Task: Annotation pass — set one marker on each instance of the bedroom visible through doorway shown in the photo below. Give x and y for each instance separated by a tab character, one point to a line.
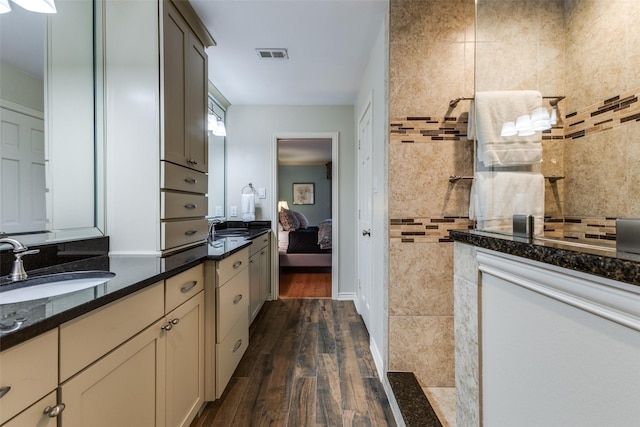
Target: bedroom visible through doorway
305	223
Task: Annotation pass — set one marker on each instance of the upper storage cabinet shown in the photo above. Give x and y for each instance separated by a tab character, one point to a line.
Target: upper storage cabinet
185	86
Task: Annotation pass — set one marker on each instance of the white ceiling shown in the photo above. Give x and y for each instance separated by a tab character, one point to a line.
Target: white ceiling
304	151
328	42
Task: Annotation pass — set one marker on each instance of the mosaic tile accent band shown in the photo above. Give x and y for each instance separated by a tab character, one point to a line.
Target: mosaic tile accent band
608	114
427	229
409	130
586	230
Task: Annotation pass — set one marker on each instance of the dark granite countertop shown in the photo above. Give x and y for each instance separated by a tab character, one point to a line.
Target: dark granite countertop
132	273
600	261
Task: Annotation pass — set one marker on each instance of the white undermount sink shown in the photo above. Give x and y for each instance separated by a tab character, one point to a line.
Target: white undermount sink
51	285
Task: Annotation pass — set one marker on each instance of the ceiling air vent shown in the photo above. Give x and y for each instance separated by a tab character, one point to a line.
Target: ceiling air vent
272	53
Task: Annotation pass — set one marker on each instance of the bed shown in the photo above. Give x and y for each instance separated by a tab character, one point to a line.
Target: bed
302	245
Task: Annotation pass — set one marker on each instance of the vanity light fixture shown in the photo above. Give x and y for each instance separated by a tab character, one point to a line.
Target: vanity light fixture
40	6
5	7
216	125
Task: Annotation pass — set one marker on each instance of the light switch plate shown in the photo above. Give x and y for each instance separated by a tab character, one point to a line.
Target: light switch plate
218	211
233	211
262	193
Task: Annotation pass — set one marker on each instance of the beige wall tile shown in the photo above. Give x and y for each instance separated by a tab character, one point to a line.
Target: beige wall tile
424	77
420	279
423	345
596	180
419	179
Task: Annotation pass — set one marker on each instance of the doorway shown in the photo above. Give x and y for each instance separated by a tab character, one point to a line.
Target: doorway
305	180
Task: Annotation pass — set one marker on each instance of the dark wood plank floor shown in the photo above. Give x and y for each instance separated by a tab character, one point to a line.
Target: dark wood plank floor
308	364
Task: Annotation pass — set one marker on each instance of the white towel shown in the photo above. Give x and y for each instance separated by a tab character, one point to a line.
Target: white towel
497	196
248	207
489	111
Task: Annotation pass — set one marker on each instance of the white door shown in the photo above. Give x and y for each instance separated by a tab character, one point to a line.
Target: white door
365	194
22	173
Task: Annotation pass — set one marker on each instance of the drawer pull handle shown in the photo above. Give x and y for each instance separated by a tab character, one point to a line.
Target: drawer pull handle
237	299
191	181
188	287
4	390
190	206
190	232
237	346
174	321
192	162
55	410
237	264
262	253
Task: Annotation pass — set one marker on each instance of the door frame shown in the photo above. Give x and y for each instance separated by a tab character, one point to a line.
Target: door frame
335	208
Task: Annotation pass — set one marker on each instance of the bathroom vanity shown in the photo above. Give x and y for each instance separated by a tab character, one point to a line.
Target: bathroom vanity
146	347
546	332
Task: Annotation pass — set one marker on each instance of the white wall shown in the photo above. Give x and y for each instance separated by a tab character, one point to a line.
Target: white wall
250	130
374	86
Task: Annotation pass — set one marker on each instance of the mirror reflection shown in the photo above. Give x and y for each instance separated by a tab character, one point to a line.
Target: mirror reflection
47	121
216	196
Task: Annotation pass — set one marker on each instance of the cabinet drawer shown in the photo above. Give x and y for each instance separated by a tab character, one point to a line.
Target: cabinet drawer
229	352
181	205
232	265
179	233
89	337
232	303
35	416
259	243
30	370
183	286
174	177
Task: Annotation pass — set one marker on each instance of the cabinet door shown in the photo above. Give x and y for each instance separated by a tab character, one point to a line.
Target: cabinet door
28	371
196	105
254	286
125	388
185	362
185	93
175	42
265	273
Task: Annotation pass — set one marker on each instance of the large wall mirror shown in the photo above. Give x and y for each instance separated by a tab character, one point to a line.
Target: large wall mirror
50	122
216	196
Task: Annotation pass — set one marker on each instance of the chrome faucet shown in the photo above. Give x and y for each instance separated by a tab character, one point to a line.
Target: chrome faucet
212	226
19	250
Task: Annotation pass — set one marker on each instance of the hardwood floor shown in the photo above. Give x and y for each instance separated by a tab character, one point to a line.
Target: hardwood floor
308	364
295	283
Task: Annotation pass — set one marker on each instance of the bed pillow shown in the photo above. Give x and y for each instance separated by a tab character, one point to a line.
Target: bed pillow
288	220
304	222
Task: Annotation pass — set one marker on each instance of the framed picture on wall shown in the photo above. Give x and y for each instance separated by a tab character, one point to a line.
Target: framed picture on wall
304	193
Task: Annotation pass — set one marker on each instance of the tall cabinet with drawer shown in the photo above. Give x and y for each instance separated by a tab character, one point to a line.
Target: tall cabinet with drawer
227	305
161	132
184	153
260	273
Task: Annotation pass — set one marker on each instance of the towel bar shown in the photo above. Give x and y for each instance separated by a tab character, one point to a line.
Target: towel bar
551	178
554	100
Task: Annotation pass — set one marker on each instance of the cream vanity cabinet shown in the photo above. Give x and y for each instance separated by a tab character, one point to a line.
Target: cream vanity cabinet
139	360
28	380
260	273
227	293
184	153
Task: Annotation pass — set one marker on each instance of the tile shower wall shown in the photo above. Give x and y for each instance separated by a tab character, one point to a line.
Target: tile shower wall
431	62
